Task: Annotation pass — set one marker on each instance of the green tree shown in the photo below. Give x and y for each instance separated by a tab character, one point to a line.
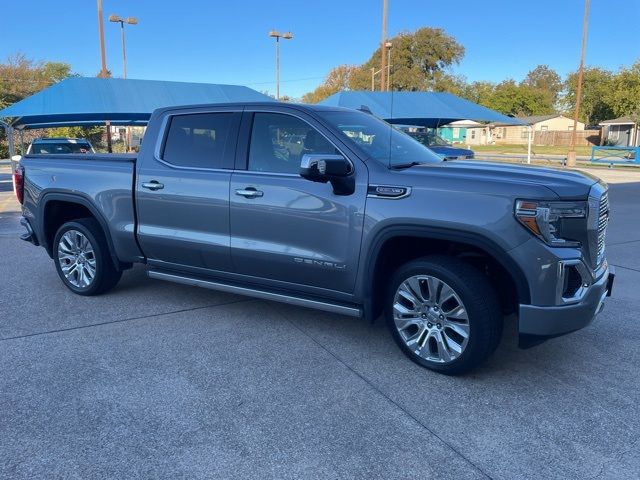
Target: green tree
546	85
21	77
339	78
479	92
419	61
445	82
625	92
597	101
419	58
93	134
511	98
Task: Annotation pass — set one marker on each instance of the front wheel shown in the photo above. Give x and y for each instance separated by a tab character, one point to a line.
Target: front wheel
443	313
82	258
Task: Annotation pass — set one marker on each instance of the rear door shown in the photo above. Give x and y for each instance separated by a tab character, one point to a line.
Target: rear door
183	191
285	228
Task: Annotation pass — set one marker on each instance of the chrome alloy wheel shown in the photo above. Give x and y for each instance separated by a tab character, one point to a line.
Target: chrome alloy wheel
77	259
431	319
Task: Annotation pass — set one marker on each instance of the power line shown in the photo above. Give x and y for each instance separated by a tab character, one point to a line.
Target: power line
36	81
286	81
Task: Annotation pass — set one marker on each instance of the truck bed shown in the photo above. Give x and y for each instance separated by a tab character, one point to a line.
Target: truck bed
107	182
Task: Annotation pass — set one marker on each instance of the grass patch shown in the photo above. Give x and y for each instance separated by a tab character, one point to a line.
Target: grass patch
535	149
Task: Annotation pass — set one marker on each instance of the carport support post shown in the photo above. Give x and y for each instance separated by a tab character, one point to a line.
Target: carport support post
12	147
529	128
8	130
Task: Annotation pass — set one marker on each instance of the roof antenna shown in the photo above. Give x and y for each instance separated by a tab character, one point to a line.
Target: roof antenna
365	109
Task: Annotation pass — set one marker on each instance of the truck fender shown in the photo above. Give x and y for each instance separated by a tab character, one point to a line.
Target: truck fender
79	199
437	233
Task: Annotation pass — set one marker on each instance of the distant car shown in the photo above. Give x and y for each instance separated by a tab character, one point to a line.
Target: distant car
441	147
59	146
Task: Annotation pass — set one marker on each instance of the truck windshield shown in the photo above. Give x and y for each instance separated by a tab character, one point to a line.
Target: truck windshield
429	139
379	140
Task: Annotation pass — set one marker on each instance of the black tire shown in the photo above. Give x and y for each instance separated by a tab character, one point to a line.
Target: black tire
483	311
106	275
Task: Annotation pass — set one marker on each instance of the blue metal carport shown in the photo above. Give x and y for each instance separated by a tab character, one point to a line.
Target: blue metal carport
93	101
427	109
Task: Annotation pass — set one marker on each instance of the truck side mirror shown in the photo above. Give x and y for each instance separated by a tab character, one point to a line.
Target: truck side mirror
325	167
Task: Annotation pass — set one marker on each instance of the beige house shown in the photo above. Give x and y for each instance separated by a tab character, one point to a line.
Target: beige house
518	134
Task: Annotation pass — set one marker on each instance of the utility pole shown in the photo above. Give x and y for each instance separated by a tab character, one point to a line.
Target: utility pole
103	56
383	56
571	156
103	69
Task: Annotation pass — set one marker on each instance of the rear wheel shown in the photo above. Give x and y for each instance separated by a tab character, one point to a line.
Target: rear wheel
443	314
82	258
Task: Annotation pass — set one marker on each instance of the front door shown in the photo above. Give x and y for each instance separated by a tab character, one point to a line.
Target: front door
286	228
183	192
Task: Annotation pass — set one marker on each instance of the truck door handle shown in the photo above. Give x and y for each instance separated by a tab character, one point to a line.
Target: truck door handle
249	192
153	185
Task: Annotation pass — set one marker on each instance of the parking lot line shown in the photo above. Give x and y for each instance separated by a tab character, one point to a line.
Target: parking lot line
121	320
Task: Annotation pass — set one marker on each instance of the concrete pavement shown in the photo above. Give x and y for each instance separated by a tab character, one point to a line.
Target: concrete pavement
162	380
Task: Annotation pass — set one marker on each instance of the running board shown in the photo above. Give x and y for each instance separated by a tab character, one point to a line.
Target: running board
262	294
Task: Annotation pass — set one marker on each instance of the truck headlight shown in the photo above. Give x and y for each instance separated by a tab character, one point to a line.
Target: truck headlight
547	220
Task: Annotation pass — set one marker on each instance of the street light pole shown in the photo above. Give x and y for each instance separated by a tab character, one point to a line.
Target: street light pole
388	46
277	35
122	21
124	52
571	156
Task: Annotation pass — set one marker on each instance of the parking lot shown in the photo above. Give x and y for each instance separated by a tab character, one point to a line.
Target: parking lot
159	380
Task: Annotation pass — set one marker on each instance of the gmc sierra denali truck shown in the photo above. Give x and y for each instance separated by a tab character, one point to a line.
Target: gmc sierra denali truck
331	209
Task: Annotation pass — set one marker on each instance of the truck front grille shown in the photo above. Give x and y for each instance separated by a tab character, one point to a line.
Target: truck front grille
603	220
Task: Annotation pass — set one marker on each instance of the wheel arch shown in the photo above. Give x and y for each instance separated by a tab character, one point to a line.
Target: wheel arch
79	204
439	238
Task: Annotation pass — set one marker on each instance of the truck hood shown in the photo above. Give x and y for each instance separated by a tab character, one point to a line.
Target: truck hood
564	183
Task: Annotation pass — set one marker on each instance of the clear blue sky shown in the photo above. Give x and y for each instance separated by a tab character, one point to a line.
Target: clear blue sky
219	41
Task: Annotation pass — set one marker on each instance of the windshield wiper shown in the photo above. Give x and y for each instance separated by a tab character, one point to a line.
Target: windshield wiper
402	166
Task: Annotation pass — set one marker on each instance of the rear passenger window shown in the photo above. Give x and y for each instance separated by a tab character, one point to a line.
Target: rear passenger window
197	140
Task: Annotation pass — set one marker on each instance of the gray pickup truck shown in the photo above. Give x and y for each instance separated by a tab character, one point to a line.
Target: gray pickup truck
331	209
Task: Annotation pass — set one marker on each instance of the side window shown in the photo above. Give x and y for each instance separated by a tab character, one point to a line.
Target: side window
279	141
197	140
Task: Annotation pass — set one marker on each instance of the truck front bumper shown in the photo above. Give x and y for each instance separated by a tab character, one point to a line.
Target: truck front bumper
538	323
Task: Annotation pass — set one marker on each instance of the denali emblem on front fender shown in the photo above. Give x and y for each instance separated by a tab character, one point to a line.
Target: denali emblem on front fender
388	191
320	263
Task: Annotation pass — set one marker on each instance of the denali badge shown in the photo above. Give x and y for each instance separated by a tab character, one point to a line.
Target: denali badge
388	191
320	263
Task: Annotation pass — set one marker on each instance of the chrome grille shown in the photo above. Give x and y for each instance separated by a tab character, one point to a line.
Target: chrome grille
603	220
